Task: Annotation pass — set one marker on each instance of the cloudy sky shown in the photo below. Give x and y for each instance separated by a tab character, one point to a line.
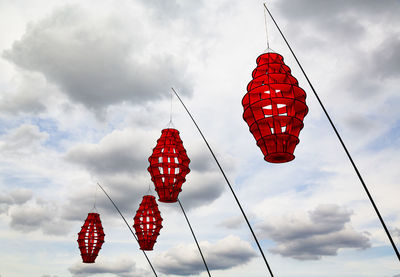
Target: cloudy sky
85	93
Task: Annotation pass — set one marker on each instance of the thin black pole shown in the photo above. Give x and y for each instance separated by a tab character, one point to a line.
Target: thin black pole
340	139
130	229
195	239
227	181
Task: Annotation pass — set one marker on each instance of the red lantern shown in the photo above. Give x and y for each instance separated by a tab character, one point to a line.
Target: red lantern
91	238
169	165
147	222
274	108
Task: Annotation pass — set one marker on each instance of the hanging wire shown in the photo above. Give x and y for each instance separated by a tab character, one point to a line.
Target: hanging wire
227	181
194	236
95	199
130	229
266	29
170	123
340	139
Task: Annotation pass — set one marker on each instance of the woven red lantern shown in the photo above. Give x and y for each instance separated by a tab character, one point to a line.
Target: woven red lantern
274	108
147	222
169	165
91	238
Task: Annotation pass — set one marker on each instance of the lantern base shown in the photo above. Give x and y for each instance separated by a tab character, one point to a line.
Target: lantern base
167	201
279	157
146	248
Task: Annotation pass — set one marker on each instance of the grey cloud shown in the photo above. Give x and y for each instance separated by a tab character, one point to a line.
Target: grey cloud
14	197
126	191
20	196
118	152
184	260
170	11
203	161
396	232
398	275
27	218
27	97
316	246
370	79
5	202
36	215
386	58
201	189
24	138
330	23
97	61
122	268
323	233
232	223
314	10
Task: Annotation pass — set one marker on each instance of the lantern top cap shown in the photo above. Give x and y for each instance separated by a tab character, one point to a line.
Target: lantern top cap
169	130
148	196
93	213
269	56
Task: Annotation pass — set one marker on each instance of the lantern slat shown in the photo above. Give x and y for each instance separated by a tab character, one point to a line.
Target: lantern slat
169	165
274	108
147	222
91	238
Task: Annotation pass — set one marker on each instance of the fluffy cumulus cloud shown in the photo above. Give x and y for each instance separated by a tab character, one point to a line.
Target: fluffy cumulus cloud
24	139
27	213
27	95
97	61
320	234
38	214
185	260
123	151
121	268
16	196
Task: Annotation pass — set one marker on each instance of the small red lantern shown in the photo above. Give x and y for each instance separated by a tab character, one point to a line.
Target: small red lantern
147	222
91	238
169	165
274	108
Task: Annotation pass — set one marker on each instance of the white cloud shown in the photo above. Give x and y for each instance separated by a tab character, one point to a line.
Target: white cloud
25	138
121	267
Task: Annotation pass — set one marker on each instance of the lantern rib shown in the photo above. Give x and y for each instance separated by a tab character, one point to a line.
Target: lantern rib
340	139
229	185
130	229
194	236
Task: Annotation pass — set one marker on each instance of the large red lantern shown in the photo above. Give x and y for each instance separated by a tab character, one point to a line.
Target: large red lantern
147	222
91	238
274	108
169	165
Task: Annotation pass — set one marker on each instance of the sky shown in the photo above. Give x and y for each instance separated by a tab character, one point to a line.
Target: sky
84	95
